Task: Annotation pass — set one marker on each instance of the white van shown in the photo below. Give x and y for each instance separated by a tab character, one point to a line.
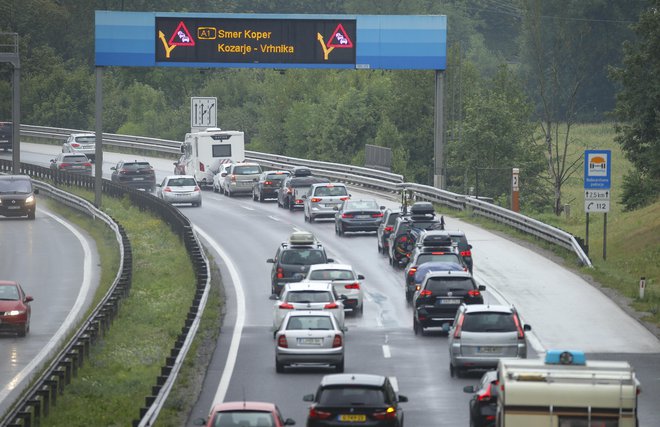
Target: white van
203	152
566	390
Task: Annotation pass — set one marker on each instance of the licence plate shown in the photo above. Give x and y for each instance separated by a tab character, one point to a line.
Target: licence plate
447	301
138	179
13	207
488	350
362	216
77	167
353	417
310	341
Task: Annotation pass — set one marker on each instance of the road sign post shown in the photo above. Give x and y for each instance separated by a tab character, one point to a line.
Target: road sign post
515	190
642	285
203	113
597	183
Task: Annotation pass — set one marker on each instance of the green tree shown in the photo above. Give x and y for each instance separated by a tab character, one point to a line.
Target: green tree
637	110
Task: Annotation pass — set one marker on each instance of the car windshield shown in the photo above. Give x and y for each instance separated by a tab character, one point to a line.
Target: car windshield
302	257
136	166
359	205
309	322
74	159
16	186
243	418
351	396
309	296
8	293
181	182
439	257
489	322
247	170
442	285
331	275
86	139
330	190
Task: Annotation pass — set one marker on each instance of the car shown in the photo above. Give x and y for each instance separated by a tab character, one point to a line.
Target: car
134	173
267	184
355	399
219	178
293	258
321	200
421	216
481	334
81	143
307	296
358	215
240	177
441	294
428	267
309	337
244	413
483	405
289	195
385	228
15	310
345	281
17	196
464	248
180	189
72	163
422	255
6	135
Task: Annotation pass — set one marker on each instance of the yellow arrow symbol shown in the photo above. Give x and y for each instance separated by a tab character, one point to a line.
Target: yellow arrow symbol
326	50
167	47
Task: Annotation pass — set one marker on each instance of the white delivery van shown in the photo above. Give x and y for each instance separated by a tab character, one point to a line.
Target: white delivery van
566	390
203	152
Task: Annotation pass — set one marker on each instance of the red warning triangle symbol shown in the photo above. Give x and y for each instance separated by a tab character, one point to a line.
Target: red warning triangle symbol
181	36
339	38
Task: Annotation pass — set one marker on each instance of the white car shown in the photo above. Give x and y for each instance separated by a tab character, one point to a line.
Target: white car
219	180
180	189
307	296
81	143
344	280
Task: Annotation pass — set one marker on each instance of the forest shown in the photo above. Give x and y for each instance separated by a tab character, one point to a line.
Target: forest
520	74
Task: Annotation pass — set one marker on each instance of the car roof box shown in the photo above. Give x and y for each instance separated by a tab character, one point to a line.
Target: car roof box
301	238
422	208
436	239
301	171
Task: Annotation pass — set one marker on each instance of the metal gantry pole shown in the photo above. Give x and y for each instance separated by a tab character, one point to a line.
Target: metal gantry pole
9	53
98	153
439	132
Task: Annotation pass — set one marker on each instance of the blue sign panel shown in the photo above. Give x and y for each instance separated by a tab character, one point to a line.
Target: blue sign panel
597	169
206	40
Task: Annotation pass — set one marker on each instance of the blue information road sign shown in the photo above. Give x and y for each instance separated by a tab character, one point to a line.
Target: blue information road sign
597	169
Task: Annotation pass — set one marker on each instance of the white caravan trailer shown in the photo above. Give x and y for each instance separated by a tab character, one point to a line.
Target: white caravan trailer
566	390
203	152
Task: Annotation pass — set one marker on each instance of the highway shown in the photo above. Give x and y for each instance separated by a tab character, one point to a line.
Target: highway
564	310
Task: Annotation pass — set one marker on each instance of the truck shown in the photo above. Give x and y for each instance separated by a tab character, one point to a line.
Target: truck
566	390
203	152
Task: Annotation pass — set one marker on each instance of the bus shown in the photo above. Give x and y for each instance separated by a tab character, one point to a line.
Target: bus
203	152
566	390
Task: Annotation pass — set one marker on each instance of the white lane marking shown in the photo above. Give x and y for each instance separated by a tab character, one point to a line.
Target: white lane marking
274	218
395	383
240	319
247	207
386	351
73	315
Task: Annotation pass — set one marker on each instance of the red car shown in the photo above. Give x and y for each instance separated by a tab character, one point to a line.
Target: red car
251	414
15	308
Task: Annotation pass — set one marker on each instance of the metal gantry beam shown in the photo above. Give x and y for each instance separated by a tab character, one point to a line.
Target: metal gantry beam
9	54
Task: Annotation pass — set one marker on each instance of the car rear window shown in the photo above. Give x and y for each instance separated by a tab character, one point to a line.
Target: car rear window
330	190
302	257
182	182
361	205
243	418
489	322
309	296
461	241
426	224
306	181
137	166
331	275
74	159
86	139
392	217
276	176
442	285
351	396
247	170
320	323
431	257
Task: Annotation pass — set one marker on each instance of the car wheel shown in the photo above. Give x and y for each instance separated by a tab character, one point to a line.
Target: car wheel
339	367
360	311
24	330
305	218
279	367
416	326
452	371
292	205
32	215
254	196
260	198
341	230
408	296
336	229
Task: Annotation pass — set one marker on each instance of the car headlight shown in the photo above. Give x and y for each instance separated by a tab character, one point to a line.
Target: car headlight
29	200
15	312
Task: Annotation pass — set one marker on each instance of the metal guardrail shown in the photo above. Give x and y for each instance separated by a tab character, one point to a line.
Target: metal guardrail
35	402
365	177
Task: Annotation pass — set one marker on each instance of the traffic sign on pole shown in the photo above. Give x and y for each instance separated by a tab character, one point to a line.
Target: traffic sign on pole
597	169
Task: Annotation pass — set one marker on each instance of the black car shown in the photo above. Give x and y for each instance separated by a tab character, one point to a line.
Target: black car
385	229
355	400
6	133
293	258
17	196
441	294
289	195
267	185
423	255
358	215
422	216
464	248
483	405
136	174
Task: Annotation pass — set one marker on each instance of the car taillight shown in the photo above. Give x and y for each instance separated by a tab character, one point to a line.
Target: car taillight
377	215
521	332
466	253
315	199
233	178
197	188
167	190
459	326
299	201
337	341
403	239
438	253
417	287
352	286
286	306
425	293
344	198
289	191
486	395
88	165
202	168
412	271
318	415
474	293
280	273
346	215
388	229
268	182
75	145
64	165
331	305
388	414
282	342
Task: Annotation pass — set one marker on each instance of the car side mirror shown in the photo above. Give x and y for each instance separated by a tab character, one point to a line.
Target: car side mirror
527	328
223	174
468	389
469	246
329	260
270	260
35	191
199	422
273	297
482	287
343	297
114	168
52	160
297	277
308	398
360	277
175	163
28	298
403	398
289	422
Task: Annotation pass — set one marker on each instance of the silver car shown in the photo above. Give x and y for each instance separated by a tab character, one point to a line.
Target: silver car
307	296
240	178
345	281
484	333
180	189
322	199
309	337
81	143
